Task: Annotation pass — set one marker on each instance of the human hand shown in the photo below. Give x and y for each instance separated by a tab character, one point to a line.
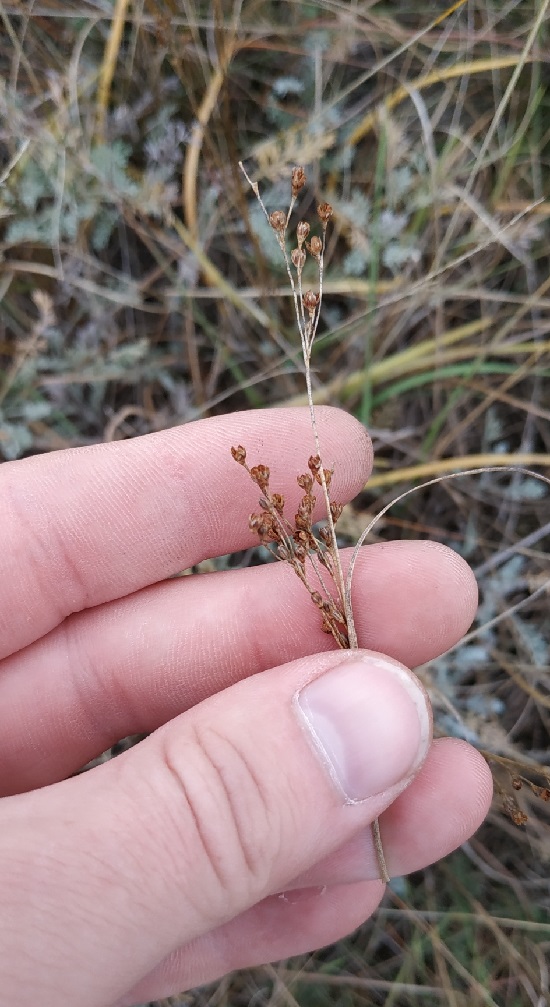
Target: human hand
164	868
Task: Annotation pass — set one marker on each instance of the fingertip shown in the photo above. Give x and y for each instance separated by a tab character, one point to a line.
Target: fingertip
424	585
354	440
474	770
443	807
458	572
345	445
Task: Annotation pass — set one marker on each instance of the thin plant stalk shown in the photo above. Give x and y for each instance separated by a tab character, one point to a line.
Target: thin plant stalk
307	307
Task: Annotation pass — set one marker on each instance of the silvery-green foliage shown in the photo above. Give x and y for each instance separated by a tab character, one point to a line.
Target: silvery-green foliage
104	221
356	262
15	417
527	489
283	86
53	191
15	439
385	233
111	163
356	210
166	137
396	255
534	642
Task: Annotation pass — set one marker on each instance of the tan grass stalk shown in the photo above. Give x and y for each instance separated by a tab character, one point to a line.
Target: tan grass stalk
109	63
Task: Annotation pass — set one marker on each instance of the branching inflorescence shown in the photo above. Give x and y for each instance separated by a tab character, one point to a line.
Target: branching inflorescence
313	555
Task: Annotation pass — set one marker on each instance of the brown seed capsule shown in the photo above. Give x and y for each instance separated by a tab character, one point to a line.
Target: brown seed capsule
254	522
317	599
239	454
516	783
302	231
310	300
315	247
324	212
298	179
300	553
324	535
519	818
298	257
302	521
314	463
510	807
260	475
277	219
305	482
336	510
278	501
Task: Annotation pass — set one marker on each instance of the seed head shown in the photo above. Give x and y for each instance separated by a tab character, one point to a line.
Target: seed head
510	807
260	475
298	257
298	180
324	212
239	454
302	521
302	231
328	478
278	501
277	219
300	553
314	463
305	482
336	510
326	559
254	522
315	246
519	817
310	300
324	535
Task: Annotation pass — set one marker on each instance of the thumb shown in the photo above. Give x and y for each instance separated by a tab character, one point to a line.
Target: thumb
105	874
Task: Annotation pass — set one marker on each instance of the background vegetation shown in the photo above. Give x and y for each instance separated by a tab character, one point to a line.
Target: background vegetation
139	288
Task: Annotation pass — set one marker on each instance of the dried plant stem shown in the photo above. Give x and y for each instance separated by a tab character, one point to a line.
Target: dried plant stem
109	63
377	838
341	584
432	482
307	328
307	308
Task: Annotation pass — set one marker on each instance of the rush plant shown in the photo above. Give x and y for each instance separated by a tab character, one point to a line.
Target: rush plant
312	551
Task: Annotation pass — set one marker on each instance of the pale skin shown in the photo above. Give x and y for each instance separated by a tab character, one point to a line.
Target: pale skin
165	867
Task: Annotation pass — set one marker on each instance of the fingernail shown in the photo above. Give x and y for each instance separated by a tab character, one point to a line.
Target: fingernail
370	724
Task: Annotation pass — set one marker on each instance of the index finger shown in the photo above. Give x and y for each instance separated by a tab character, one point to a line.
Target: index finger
85	526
